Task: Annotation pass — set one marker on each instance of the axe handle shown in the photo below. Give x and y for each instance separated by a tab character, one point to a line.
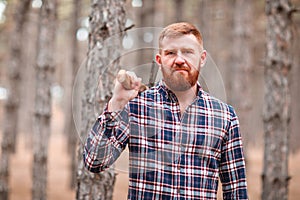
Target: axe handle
126	81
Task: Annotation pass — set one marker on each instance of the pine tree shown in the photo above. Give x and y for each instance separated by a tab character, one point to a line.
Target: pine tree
277	99
45	66
107	19
12	103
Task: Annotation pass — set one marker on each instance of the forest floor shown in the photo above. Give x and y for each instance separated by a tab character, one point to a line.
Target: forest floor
59	173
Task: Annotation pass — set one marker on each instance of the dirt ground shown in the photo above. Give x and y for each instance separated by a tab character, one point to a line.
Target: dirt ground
58	170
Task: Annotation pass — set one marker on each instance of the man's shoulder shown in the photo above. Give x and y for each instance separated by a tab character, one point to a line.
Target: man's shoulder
148	95
216	103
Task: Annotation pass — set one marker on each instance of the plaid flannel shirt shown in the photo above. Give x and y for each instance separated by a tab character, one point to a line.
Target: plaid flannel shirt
172	155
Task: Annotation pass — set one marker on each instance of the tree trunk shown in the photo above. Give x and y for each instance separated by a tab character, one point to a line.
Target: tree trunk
159	14
179	8
295	90
12	103
242	64
277	99
42	115
107	19
70	129
144	18
216	26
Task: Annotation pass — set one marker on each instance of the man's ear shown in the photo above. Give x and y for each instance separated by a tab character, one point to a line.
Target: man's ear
203	58
158	59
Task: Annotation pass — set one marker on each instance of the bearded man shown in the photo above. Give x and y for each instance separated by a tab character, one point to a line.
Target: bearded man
181	140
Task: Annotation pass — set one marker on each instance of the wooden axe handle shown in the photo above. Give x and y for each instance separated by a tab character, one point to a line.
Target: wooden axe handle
126	80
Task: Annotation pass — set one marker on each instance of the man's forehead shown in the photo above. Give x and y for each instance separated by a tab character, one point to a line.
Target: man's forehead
178	44
184	41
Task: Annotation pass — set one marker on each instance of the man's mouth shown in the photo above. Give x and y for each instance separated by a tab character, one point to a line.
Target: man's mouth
181	70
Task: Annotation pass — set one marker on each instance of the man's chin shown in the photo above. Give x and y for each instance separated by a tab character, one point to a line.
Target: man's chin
181	75
179	85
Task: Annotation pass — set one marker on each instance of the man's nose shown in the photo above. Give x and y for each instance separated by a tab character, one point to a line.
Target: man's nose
179	60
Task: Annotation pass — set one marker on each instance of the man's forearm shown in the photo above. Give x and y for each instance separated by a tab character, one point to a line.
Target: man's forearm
102	147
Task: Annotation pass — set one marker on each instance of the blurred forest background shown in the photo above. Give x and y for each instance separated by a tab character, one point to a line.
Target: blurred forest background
234	35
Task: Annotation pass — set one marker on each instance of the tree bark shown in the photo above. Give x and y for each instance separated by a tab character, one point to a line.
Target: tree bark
144	18
42	115
179	8
159	14
216	21
107	19
70	128
12	103
277	99
242	63
295	90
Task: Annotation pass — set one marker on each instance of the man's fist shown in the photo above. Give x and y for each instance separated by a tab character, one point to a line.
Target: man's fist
127	80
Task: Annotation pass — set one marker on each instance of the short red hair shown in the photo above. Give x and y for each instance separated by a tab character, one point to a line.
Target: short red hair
179	29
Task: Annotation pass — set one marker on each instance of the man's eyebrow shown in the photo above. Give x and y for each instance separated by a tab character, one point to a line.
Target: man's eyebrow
171	49
190	49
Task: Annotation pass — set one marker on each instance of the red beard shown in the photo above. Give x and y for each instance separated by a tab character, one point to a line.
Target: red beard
180	78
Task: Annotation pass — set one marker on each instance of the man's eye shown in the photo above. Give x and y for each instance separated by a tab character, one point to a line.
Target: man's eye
170	53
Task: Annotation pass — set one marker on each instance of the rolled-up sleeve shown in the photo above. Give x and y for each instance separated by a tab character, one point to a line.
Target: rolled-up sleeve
106	140
232	166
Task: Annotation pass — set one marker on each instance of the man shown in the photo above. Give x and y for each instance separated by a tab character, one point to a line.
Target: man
181	140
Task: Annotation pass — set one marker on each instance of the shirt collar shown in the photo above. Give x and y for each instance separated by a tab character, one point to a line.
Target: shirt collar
168	94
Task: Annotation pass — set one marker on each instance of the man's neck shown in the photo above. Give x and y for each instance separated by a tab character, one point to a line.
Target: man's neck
186	97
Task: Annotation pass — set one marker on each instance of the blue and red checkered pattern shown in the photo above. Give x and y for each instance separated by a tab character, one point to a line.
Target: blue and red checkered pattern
172	155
